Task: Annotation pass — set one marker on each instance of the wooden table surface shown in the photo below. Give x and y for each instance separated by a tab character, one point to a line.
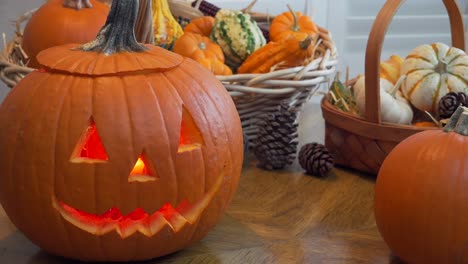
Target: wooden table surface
275	217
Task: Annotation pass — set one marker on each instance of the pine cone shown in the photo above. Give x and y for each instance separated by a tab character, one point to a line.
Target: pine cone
316	159
450	102
276	142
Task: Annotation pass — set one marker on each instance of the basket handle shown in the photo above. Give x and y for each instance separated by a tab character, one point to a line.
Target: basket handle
374	50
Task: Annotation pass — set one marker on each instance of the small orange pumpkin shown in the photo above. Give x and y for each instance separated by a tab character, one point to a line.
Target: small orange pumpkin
202	25
204	51
59	22
292	25
421	198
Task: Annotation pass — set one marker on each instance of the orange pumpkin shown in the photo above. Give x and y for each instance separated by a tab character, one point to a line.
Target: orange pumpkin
425	124
204	51
421	198
60	22
115	151
292	25
202	25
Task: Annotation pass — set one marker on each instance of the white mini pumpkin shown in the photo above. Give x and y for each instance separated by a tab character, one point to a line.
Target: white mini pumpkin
393	108
431	72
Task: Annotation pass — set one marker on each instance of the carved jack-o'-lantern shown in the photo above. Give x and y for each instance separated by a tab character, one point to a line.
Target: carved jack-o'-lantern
115	151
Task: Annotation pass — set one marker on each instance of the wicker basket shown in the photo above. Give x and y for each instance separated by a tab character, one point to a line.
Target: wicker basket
363	144
258	94
253	94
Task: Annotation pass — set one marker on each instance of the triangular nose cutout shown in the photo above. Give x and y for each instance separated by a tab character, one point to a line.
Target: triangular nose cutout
89	148
142	172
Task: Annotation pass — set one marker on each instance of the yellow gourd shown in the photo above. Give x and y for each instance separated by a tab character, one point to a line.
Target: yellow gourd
166	28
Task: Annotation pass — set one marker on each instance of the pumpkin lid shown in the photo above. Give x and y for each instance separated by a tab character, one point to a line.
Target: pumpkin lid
115	49
68	58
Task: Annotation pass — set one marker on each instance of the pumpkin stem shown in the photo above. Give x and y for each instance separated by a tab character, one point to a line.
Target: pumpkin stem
441	68
305	43
397	86
202	45
118	34
295	25
458	123
77	4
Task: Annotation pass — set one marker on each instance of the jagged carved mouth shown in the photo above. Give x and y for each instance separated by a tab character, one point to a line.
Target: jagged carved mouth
138	220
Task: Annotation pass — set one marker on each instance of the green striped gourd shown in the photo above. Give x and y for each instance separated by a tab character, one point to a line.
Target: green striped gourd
237	34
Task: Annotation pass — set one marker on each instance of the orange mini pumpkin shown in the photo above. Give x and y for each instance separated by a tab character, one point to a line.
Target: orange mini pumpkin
204	51
202	25
60	22
425	124
292	25
291	52
421	198
115	151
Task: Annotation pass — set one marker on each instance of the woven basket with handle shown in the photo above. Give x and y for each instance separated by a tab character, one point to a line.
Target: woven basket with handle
363	143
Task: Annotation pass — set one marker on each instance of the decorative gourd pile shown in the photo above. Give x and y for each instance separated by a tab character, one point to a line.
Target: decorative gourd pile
243	45
416	84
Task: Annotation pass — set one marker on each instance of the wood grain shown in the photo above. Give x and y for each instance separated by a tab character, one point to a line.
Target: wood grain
276	217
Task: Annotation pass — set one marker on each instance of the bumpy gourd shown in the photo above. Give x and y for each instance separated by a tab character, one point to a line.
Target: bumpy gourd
237	34
431	72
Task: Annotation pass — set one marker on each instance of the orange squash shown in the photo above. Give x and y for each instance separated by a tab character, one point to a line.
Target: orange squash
59	22
292	25
202	25
115	151
390	69
421	199
204	51
425	124
292	52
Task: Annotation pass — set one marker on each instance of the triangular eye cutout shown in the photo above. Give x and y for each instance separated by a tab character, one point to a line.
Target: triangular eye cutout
190	136
142	172
89	148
